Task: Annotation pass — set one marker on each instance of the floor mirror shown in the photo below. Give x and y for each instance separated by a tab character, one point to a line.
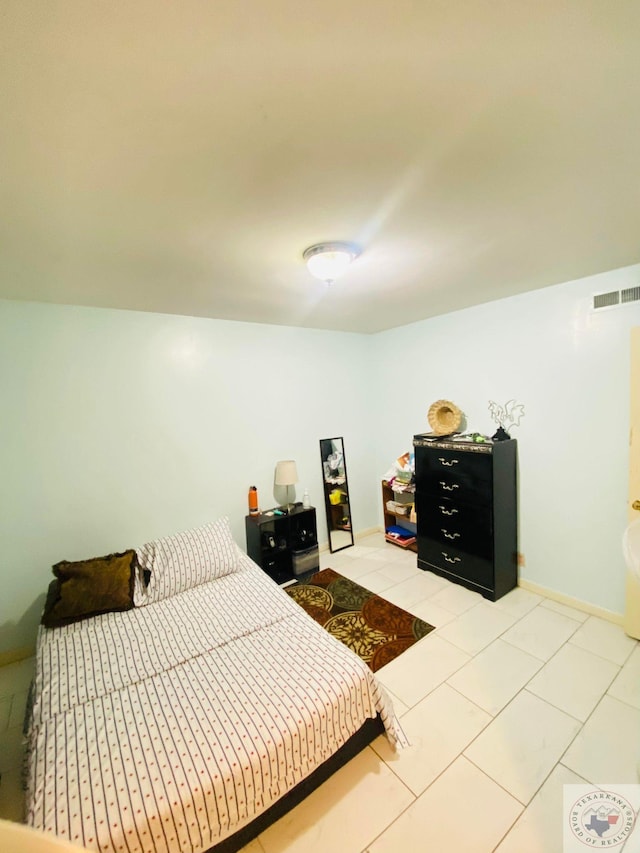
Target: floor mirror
336	493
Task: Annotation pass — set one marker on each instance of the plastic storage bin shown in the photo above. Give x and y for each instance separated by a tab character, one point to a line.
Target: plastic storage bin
305	560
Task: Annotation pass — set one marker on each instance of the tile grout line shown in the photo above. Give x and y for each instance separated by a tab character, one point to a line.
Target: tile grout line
542	784
578	733
543	663
475	704
456	757
399	815
494	717
599	655
433	781
511	794
415	705
617	699
460	754
602	695
498	636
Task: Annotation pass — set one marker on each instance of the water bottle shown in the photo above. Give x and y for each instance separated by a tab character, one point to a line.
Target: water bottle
306	503
253	501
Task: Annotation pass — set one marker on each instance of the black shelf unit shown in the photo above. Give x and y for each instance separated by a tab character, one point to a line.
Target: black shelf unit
467	515
282	545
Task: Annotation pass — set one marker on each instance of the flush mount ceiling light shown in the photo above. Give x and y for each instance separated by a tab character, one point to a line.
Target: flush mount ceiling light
327	261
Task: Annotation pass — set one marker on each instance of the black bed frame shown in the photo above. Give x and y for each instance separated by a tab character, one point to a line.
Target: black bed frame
356	743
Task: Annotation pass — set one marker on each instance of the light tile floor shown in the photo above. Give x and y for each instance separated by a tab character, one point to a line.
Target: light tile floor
504	703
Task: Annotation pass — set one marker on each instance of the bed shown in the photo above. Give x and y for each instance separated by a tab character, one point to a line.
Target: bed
179	723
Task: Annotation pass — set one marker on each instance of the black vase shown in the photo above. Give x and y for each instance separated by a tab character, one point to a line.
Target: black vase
500	435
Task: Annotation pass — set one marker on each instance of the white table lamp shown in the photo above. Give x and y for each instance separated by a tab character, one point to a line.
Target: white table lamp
286	475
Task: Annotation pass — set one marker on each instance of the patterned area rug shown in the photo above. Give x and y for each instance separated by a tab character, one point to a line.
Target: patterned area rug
375	629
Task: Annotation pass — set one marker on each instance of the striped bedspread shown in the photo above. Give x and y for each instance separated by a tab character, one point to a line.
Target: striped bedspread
169	727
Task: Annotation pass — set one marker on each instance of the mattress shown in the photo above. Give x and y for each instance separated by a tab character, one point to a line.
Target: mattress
171	726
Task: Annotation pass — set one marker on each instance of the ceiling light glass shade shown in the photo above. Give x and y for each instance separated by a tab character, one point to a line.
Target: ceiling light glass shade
327	261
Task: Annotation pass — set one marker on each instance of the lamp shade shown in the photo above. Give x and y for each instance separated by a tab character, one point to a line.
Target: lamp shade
286	473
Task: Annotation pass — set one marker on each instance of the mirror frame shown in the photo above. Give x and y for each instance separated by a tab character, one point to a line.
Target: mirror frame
327	487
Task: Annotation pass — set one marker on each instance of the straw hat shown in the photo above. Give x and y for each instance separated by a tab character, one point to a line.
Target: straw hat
444	417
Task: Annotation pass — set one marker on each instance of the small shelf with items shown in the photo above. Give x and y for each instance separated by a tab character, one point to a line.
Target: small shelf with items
399	516
285	546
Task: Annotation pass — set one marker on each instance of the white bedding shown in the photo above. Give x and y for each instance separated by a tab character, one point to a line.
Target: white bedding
169	727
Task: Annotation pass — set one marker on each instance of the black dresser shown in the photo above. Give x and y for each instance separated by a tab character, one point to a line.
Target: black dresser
467	515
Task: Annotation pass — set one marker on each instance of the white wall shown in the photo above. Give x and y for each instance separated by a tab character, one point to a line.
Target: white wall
570	369
120	426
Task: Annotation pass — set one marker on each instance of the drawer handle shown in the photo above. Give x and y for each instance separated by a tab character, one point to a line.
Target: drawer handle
449	488
449	535
449	559
444	462
446	511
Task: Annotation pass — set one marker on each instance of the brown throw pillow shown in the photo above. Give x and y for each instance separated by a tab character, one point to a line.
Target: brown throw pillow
90	587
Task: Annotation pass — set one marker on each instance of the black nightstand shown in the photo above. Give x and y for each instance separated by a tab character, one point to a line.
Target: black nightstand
284	546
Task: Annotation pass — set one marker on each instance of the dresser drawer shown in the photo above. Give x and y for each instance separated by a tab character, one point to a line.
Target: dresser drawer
455	563
454	474
467	527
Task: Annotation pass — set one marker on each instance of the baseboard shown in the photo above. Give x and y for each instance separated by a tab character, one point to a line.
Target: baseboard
368	532
324	546
560	597
15	655
569	601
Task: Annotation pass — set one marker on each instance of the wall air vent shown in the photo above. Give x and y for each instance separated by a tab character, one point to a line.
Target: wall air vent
615	298
631	294
606	300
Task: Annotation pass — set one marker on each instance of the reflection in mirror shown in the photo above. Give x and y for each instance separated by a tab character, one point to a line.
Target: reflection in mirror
336	493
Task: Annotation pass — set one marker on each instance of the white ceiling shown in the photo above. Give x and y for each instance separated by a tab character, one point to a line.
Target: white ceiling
179	156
